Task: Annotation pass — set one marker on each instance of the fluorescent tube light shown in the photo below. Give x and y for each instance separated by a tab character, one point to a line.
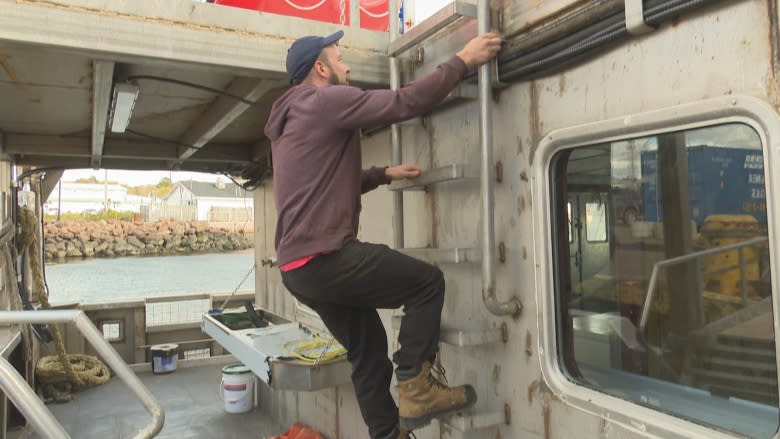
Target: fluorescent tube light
122	106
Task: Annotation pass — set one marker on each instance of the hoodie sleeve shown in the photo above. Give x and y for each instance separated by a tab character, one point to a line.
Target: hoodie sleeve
352	108
371	178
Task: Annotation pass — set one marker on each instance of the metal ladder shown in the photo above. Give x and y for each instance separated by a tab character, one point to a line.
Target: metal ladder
452	172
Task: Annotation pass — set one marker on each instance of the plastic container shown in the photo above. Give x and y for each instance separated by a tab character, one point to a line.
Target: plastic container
237	388
164	358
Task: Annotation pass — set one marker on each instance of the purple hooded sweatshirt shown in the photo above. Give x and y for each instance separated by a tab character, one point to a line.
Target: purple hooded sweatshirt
315	141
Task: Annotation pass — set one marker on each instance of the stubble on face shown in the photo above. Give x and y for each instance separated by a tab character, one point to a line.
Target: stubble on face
333	78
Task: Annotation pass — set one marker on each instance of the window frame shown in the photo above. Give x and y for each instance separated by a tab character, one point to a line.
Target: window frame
747	110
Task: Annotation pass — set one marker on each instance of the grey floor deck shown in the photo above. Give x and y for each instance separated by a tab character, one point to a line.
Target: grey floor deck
189	396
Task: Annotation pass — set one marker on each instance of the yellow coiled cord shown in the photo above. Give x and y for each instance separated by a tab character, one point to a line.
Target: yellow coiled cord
316	350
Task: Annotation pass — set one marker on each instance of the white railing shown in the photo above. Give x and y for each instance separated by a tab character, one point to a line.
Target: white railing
33	409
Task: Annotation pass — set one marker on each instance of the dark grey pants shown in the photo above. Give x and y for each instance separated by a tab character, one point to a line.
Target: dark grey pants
346	288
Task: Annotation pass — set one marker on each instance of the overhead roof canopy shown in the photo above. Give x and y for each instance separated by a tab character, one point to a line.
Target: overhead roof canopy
59	61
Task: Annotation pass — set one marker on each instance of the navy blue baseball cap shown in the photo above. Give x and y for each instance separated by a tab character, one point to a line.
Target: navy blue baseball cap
303	53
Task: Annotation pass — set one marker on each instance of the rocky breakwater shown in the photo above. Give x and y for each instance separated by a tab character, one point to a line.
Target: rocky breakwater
75	239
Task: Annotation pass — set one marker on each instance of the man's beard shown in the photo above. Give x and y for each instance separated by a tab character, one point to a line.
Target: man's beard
333	79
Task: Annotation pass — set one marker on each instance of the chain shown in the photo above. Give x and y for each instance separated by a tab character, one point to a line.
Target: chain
327	348
342	11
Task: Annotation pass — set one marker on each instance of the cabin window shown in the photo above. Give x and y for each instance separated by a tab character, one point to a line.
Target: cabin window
196	354
112	330
663	289
595	221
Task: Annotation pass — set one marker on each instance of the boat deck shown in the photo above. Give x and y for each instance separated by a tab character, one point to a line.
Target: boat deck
191	400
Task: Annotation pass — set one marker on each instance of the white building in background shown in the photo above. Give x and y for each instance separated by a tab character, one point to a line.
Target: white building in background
92	198
213	201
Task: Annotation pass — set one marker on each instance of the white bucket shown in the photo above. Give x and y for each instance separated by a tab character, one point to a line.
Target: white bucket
237	388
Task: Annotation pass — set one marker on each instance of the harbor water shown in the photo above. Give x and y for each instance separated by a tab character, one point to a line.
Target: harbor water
111	279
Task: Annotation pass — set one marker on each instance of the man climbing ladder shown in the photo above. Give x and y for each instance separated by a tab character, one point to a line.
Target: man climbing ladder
315	133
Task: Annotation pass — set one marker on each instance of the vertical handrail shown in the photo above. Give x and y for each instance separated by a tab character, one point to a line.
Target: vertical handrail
486	179
395	131
397	157
103	348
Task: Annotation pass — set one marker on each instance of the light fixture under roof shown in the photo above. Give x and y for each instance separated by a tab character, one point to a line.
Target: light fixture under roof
122	105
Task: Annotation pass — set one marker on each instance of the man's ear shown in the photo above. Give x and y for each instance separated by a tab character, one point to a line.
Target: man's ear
319	69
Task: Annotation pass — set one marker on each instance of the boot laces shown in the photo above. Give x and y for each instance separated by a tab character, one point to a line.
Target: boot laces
434	381
437	369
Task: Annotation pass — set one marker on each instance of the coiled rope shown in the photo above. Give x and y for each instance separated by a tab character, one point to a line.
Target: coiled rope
79	369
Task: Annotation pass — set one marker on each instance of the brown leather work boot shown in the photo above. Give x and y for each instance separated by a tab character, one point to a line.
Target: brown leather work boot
423	398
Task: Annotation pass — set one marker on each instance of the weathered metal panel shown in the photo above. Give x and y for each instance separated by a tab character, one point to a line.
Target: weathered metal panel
720	51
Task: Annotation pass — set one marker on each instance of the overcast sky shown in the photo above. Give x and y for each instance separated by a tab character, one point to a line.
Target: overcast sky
137	178
425	8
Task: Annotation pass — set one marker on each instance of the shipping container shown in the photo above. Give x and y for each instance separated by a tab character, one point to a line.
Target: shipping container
721	180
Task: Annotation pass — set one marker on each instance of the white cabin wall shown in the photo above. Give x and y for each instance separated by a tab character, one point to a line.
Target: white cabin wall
721	50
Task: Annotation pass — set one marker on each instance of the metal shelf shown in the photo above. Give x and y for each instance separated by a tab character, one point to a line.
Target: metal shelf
262	351
429	177
438	21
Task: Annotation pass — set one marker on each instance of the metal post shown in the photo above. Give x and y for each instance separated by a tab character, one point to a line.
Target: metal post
486	180
354	14
393	17
59	200
28	403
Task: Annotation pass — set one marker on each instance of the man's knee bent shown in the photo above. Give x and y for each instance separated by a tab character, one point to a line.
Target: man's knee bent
435	285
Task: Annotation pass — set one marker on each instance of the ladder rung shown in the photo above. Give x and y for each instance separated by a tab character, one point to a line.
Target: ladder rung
463	92
471	338
427	178
441	255
460	338
464	422
438	21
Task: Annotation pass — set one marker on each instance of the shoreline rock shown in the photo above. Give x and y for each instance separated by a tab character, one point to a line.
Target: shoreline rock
83	239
